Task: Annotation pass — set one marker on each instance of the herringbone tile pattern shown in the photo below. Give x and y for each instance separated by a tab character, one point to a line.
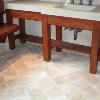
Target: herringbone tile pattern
25	76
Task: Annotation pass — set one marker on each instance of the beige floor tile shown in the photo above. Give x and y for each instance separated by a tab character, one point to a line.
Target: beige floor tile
6	95
32	57
20	64
10	73
15	83
25	73
25	76
59	98
95	98
85	89
37	94
55	92
3	85
67	78
33	64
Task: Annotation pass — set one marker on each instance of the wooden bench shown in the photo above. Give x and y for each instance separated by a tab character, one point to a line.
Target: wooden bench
6	29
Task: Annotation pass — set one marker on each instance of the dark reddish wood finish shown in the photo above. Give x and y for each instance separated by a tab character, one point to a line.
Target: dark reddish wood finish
25	15
1	11
64	45
22	30
58	36
47	39
34	39
71	22
95	48
93	26
11	40
7	29
54	43
1	6
71	46
11	37
22	15
59	21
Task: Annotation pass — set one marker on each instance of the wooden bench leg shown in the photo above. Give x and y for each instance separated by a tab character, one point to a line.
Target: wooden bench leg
22	30
46	39
99	52
94	50
11	41
58	36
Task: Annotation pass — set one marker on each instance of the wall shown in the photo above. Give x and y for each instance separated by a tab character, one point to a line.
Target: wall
33	27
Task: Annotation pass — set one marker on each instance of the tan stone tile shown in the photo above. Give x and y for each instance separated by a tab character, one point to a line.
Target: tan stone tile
15	94
59	98
95	98
25	76
75	95
3	84
24	73
10	73
10	70
29	72
37	94
71	91
15	83
27	57
52	70
33	57
42	80
85	89
20	94
55	93
33	64
23	79
6	95
67	78
10	77
53	73
96	87
20	64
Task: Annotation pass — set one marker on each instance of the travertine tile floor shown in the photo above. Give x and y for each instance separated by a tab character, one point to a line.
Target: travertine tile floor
25	76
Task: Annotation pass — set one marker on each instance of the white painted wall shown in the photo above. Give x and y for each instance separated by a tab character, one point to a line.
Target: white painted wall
34	27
